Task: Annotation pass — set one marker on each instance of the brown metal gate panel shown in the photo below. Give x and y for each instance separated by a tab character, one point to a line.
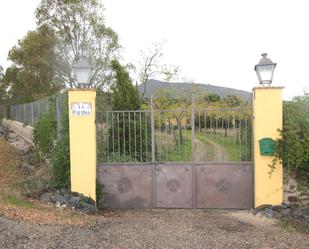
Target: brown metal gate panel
173	186
126	186
224	186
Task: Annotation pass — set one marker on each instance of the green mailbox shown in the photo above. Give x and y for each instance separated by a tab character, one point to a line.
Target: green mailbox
267	146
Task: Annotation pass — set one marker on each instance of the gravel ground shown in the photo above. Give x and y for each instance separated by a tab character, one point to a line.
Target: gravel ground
156	229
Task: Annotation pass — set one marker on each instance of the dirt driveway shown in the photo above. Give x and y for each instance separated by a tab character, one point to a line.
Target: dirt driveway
156	229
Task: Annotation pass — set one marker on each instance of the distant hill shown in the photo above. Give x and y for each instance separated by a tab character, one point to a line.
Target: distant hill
181	90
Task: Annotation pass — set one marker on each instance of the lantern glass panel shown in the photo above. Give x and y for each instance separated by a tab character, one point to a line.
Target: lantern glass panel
82	75
265	73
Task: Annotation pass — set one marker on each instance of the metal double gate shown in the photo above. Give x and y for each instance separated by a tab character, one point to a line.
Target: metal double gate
178	185
139	154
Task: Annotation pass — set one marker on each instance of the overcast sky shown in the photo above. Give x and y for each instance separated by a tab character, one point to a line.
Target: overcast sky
215	42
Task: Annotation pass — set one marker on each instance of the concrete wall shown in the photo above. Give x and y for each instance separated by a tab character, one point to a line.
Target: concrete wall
20	129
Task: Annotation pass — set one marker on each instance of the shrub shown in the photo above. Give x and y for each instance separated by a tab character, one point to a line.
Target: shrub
60	159
293	146
44	132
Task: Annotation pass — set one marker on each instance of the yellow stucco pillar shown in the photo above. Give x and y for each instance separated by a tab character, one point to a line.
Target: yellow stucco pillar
267	113
83	141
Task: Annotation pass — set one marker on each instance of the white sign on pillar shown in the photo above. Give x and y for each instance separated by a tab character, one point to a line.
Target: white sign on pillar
81	109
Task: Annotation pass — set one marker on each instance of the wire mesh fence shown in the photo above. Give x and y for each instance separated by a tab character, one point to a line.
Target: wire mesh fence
29	113
183	135
2	111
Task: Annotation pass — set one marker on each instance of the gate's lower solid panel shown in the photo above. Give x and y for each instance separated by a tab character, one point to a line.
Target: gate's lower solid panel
224	186
126	186
173	186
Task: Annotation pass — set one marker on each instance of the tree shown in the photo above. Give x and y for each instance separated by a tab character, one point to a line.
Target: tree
124	95
212	98
128	132
1	72
80	30
33	74
232	101
150	66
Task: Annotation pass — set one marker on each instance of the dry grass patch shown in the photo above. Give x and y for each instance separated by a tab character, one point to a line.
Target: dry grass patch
13	203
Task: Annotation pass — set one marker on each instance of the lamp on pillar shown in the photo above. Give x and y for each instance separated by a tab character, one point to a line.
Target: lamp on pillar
265	70
83	72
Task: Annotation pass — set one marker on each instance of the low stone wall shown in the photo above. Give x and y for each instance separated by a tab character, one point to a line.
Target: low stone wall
294	193
20	129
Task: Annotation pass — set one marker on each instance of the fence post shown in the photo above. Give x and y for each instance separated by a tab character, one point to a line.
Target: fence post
153	154
194	187
267	119
58	116
193	130
25	115
82	115
32	119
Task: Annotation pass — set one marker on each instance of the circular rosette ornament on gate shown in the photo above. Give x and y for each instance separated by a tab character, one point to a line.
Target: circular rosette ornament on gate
173	185
223	186
124	185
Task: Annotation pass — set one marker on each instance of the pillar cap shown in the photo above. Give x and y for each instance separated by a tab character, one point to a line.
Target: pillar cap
268	87
82	89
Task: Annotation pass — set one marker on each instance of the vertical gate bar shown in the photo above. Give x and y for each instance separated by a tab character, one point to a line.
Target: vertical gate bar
153	159
135	137
185	136
99	137
152	133
179	138
124	136
173	138
240	152
210	123
146	141
246	141
199	121
107	135
140	137
252	138
205	126
129	120
113	134
222	132
118	126
216	134
228	128
165	136
193	131
193	168
160	140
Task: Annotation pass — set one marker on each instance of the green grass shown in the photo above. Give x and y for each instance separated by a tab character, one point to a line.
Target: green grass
177	153
229	144
210	153
295	226
18	202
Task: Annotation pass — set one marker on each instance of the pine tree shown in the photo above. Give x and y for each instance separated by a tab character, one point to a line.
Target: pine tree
125	95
